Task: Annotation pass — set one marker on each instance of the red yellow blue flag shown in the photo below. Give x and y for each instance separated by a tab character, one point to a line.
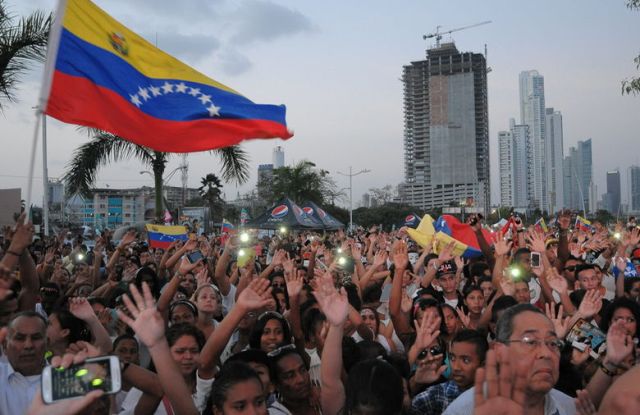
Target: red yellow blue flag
102	75
161	236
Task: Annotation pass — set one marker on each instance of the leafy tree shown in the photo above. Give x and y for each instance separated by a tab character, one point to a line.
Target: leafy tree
211	192
301	182
383	195
632	85
20	43
105	148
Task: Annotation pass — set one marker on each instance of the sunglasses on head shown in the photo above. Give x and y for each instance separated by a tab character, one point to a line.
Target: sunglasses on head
434	351
277	352
572	268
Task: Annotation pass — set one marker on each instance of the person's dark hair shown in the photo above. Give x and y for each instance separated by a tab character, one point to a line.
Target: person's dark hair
400	363
350	353
250	356
428	258
275	298
353	296
628	283
373	387
232	373
125	336
279	355
310	321
474	337
469	288
621	302
376	316
185	303
501	303
504	327
370	349
175	332
372	293
258	329
484	278
583	267
477	269
521	251
78	329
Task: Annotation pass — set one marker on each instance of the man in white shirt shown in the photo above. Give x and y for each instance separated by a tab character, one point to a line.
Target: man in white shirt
533	348
20	374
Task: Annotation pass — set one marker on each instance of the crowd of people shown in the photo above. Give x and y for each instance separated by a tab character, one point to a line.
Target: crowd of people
369	322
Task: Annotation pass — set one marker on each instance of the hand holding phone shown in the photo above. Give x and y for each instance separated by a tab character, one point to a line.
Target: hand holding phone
195	256
535	260
75	381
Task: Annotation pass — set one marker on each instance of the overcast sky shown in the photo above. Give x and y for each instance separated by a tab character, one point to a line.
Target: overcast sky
336	65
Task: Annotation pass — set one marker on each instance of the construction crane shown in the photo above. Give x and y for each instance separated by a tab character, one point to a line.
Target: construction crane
438	35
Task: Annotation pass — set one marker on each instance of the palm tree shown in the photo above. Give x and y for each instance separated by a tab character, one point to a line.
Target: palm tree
301	182
20	43
211	192
105	148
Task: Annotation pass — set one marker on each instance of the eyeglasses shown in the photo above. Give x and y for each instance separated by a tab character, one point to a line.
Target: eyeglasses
531	343
434	351
572	268
277	352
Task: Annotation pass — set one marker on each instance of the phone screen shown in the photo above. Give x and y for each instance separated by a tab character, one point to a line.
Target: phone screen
195	256
535	259
78	380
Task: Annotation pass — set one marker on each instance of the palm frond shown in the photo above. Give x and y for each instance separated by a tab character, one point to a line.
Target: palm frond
235	164
103	149
19	44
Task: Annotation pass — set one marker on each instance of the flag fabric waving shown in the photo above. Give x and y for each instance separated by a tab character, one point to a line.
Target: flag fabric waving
583	224
541	226
161	236
100	74
227	227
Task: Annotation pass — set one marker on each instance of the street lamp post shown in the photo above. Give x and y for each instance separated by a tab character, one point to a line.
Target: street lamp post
350	175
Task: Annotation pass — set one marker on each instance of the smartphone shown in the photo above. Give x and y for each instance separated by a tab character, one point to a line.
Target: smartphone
76	381
535	260
195	256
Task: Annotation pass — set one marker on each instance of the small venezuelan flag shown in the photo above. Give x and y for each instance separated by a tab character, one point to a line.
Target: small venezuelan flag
541	226
100	74
583	224
161	236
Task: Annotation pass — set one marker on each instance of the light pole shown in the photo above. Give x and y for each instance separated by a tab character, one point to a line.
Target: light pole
350	175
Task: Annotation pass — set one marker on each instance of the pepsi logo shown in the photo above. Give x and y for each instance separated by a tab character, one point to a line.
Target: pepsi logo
308	210
410	219
280	211
322	213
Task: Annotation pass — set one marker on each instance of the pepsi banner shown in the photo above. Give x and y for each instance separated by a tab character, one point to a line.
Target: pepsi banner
285	213
316	212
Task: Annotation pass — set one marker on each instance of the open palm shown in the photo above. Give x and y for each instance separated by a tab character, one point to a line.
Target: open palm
147	321
333	303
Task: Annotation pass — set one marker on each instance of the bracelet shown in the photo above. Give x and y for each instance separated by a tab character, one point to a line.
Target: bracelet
14	253
606	371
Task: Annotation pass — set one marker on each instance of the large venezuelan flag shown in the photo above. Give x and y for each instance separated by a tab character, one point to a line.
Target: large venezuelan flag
100	74
161	236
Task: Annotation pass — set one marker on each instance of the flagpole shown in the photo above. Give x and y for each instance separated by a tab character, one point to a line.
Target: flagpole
45	177
32	165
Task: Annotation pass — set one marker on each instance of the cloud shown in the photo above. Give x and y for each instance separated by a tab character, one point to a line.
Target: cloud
259	20
233	62
184	46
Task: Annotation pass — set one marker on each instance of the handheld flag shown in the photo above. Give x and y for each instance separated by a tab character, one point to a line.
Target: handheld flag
227	227
541	226
161	236
100	74
583	224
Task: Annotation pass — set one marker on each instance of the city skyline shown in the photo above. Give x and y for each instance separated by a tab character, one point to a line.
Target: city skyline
344	115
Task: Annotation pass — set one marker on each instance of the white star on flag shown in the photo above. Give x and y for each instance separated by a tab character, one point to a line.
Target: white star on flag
167	87
143	93
136	100
205	98
194	92
155	91
181	87
213	110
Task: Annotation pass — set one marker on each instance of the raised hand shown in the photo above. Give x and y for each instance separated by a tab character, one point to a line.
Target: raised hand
293	281
556	281
619	346
578	358
5	282
255	296
279	257
81	308
84	347
537	242
190	245
401	256
502	247
429	370
49	256
427	330
591	304
459	261
22	234
465	318
202	277
147	322
446	254
333	303
186	266
564	220
406	304
560	325
380	258
356	252
127	238
504	397
584	404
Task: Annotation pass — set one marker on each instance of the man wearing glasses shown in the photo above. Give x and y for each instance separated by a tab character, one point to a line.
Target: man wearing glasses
533	349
